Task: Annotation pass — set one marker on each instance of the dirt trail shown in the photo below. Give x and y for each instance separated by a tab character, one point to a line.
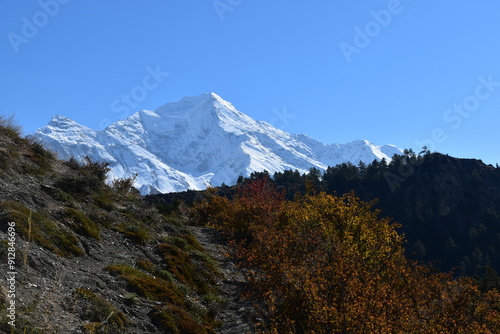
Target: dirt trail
237	316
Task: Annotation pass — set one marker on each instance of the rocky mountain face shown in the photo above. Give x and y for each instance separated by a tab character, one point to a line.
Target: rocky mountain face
196	142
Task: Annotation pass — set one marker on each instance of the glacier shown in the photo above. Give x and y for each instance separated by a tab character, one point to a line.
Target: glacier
197	142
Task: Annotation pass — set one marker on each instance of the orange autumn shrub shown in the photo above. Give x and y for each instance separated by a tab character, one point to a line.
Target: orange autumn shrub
327	264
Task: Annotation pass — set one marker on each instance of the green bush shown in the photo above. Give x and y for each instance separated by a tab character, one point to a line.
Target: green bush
180	264
172	319
58	195
104	201
82	224
98	310
73	164
134	231
79	186
177	242
41	151
89	179
124	186
147	286
98	169
146	265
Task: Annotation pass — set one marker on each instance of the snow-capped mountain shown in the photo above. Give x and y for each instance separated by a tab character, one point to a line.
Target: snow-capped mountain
195	142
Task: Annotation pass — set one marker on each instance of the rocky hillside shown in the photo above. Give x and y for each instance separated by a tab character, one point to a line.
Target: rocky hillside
95	258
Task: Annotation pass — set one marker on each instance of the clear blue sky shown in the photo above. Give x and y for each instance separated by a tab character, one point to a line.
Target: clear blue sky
304	66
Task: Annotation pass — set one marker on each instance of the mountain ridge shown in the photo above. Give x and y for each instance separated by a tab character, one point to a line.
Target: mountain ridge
195	142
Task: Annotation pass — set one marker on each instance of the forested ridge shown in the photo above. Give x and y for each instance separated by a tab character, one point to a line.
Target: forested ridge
448	208
320	263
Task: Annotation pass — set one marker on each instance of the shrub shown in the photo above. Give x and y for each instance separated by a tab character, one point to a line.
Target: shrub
73	164
125	186
9	127
89	180
147	286
58	195
137	233
146	265
79	186
41	151
82	224
98	169
172	319
177	241
99	311
42	159
192	242
104	201
180	264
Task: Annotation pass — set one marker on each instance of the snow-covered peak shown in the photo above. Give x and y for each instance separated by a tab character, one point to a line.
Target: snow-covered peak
62	121
187	104
197	141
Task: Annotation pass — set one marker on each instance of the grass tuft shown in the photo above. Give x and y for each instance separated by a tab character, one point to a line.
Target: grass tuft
102	314
172	319
82	224
147	286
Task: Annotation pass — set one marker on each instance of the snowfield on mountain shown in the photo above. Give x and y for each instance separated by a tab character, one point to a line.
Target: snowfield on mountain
197	142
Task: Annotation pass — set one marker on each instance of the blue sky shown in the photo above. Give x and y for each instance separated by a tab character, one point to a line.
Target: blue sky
393	72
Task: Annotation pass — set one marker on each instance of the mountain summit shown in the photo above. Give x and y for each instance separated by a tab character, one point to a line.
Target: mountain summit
195	142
